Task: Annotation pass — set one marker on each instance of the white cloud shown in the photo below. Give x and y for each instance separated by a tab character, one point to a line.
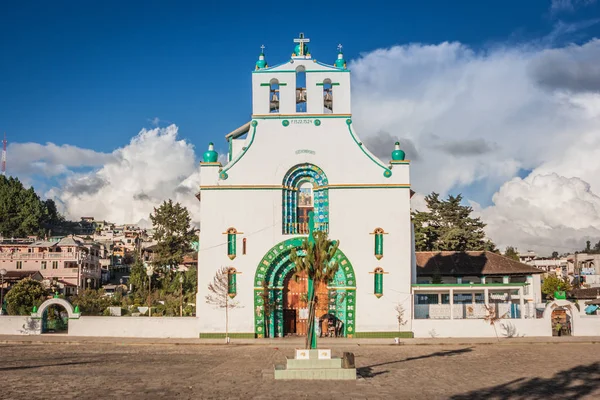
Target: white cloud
153	167
479	117
50	159
568	5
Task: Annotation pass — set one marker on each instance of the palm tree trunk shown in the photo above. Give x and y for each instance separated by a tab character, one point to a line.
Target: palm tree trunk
311	317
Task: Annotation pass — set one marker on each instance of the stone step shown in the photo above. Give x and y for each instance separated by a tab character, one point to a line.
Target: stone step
314	363
316	374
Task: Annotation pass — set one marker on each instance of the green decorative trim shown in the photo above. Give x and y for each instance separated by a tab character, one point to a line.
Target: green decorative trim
223	175
280	187
317	122
332	84
399	162
384	335
278	84
467	284
387	172
232	335
285	122
276	266
270	71
298	116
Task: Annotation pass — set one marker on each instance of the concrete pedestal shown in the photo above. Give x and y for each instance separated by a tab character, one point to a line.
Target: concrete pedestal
314	364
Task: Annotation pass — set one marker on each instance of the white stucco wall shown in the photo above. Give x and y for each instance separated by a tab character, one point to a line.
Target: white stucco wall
587	325
145	327
19	325
426	328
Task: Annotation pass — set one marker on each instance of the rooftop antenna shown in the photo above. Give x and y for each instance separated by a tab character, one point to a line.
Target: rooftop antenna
4	155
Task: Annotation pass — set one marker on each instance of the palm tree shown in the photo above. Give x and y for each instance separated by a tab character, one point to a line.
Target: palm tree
319	265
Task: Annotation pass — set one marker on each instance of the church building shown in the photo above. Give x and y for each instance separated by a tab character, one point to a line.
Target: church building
300	153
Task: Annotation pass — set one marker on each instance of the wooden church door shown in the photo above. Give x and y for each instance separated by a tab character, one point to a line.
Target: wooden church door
295	306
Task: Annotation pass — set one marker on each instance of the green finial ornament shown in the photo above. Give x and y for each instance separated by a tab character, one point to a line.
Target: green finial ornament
262	61
340	62
397	154
76	311
210	156
34	309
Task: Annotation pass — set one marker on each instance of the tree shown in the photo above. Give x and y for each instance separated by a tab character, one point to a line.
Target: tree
553	283
218	296
400	316
555	254
448	226
138	280
91	302
319	266
23	296
22	212
172	231
493	318
511	253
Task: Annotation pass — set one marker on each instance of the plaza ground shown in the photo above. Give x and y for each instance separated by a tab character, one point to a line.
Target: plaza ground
62	367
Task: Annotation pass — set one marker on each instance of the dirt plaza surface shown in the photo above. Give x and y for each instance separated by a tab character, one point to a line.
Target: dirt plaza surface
89	370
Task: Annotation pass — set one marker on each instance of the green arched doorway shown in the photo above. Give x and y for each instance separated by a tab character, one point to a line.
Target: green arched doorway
276	267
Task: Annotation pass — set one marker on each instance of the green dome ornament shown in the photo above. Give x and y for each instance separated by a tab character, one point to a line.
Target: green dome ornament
210	156
262	61
304	52
340	62
397	154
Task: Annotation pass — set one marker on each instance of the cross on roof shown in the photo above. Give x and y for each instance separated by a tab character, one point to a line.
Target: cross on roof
262	48
340	47
302	40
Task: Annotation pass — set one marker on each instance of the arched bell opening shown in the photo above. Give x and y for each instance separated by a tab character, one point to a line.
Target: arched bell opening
274	96
300	89
327	96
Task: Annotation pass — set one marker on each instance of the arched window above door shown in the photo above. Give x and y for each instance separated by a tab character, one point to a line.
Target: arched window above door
305	189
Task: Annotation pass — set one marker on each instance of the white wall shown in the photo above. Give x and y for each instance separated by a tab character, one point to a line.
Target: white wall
19	325
353	215
426	328
148	327
587	325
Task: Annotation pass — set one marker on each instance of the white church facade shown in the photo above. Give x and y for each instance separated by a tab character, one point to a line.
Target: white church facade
300	153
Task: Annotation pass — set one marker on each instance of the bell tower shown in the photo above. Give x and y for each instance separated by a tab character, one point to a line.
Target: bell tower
301	86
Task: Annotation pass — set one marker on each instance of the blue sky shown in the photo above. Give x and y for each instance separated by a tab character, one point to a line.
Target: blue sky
92	73
497	100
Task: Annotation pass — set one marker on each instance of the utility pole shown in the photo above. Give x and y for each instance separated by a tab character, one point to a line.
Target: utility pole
4	155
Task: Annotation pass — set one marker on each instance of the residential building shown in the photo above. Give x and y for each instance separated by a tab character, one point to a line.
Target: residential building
457	285
69	262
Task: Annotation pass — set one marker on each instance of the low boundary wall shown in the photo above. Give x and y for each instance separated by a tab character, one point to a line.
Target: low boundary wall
143	327
425	328
19	325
